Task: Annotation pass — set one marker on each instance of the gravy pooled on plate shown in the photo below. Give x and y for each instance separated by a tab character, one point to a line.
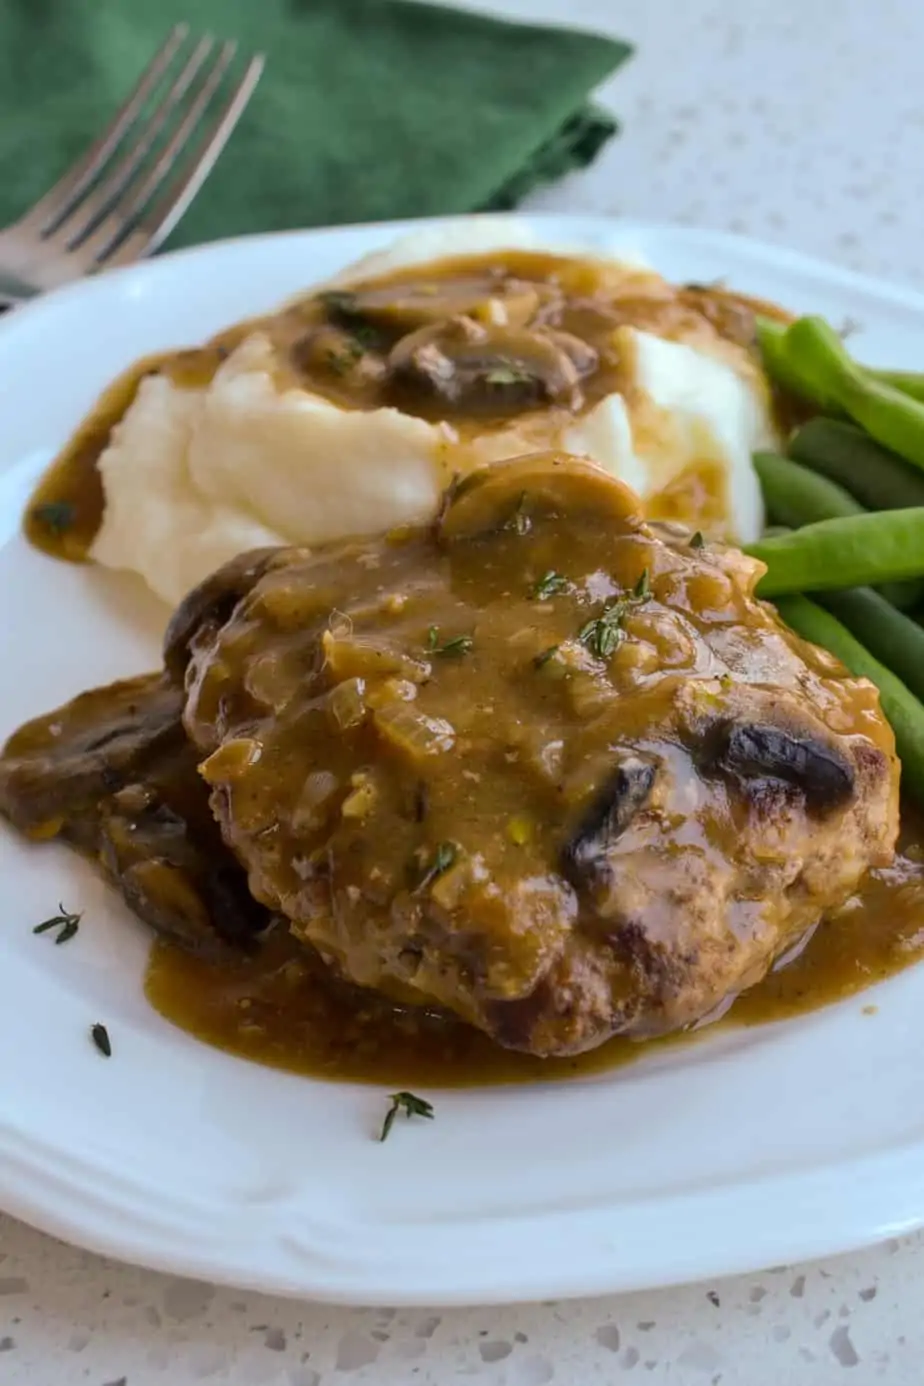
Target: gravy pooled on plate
541	767
278	1006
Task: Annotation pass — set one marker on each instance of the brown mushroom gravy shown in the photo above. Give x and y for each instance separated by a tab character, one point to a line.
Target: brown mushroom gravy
474	341
541	767
277	1006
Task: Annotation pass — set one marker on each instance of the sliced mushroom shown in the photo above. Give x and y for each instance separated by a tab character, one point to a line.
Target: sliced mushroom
493	369
750	752
584	856
404	307
54	769
585	357
113	774
513	492
180	882
212	602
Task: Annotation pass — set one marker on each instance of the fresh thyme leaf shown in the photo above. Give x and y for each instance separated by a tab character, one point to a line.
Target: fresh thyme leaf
445	854
444	857
603	634
545	656
343	361
58	516
389	1120
642	589
408	1103
453	649
519	521
65	921
458	646
343	307
338	301
100	1037
848	328
47	924
550	583
698	542
508	375
369	338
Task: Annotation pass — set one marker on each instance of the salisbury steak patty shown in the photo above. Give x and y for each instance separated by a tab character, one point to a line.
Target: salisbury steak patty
543	765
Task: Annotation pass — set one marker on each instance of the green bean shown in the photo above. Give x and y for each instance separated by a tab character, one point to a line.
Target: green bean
901	707
845	454
795	496
855	551
909	382
894	639
815	353
904	596
772	341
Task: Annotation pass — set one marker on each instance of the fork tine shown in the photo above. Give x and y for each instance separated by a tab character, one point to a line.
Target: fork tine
167	157
166	211
90	209
59	199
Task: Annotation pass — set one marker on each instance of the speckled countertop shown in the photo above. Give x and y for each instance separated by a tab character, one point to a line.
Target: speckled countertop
797	121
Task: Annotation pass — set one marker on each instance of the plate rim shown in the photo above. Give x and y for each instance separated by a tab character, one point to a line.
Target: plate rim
877	1212
898	292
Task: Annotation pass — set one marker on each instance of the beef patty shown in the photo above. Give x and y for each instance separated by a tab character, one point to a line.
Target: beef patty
542	765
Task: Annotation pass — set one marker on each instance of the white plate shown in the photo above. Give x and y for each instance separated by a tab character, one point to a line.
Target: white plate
746	1149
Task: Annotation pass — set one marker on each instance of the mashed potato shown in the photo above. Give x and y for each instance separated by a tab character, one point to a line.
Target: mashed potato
193	475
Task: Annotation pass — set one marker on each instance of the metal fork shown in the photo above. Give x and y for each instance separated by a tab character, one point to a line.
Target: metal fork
125	195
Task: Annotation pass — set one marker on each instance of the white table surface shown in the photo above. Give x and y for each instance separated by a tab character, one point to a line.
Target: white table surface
798	121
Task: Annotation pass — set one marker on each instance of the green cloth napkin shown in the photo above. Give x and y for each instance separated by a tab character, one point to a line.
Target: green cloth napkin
367	110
